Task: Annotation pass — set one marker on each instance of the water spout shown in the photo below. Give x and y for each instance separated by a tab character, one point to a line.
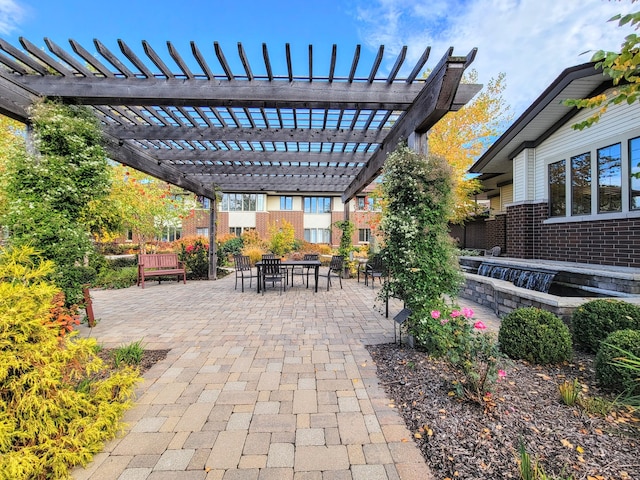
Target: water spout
538	280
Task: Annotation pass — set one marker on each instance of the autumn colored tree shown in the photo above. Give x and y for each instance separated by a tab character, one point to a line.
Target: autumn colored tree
622	67
461	137
140	203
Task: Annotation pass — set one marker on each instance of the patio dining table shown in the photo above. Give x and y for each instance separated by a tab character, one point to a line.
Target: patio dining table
315	264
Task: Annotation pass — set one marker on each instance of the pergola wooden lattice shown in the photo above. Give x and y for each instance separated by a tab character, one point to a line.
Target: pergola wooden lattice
203	127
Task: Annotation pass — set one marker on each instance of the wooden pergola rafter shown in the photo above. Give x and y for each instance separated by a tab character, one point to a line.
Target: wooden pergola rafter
195	122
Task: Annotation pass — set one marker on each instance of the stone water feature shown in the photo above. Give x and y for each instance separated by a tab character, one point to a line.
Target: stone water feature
505	284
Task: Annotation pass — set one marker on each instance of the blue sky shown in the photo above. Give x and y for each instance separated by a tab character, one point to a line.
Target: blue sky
531	41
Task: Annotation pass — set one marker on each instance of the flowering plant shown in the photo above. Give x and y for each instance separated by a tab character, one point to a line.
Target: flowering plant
452	332
195	257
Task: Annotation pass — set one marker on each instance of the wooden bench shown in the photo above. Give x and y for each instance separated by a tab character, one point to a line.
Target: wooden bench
159	265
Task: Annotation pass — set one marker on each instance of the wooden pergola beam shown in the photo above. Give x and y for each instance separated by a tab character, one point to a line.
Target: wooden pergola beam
127	155
229	168
176	155
433	102
225	93
313	135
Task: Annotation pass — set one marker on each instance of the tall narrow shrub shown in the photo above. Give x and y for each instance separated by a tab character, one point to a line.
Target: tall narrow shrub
48	191
417	247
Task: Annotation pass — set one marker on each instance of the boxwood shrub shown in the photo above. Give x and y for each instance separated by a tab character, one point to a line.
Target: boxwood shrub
594	320
535	335
618	377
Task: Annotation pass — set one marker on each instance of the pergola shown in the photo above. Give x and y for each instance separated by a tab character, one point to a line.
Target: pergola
195	123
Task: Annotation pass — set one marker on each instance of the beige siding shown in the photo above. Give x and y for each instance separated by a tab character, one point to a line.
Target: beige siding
495	204
506	196
620	123
519	187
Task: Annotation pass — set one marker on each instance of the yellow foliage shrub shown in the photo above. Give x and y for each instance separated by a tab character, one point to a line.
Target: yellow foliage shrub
255	253
54	411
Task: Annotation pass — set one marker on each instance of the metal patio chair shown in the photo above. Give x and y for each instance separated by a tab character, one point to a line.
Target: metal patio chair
273	272
304	270
242	264
375	268
336	266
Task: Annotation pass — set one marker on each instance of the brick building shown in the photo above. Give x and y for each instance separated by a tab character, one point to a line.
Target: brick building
312	216
562	194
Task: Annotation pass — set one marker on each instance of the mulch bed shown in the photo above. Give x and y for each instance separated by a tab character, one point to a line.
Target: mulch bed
149	358
460	440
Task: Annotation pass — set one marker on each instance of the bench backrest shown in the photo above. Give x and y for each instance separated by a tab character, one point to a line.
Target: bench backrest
158	260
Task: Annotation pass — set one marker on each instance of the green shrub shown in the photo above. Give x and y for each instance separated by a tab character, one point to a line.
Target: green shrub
122	262
611	373
232	246
535	335
116	278
594	320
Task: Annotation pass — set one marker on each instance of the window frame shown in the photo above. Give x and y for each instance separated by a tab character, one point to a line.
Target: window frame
600	187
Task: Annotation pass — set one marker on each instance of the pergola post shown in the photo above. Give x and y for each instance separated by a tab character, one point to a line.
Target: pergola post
419	142
213	248
346	211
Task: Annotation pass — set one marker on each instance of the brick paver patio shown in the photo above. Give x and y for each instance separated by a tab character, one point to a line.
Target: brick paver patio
254	387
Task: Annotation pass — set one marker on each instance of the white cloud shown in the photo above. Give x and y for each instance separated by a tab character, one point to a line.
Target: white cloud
11	14
532	41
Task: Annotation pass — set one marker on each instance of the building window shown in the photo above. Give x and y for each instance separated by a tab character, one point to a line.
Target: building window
317	204
242	202
170	234
369	204
237	231
634	170
202	231
286	203
204	202
581	184
610	179
364	235
129	235
317	235
557	189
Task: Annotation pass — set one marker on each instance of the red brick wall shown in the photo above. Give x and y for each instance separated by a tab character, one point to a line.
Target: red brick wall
262	224
295	218
603	242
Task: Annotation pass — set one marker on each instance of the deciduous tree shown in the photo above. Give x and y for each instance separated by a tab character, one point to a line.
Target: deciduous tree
460	138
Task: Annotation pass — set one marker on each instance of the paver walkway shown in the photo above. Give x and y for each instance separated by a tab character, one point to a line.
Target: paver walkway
254	387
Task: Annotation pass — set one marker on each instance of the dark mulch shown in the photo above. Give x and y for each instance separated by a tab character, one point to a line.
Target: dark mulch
460	440
149	358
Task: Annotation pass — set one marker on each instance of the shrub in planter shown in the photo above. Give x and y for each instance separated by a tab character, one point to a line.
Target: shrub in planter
611	371
594	320
535	335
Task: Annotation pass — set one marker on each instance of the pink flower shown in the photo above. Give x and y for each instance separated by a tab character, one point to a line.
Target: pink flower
455	313
501	374
444	321
467	312
479	326
435	313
